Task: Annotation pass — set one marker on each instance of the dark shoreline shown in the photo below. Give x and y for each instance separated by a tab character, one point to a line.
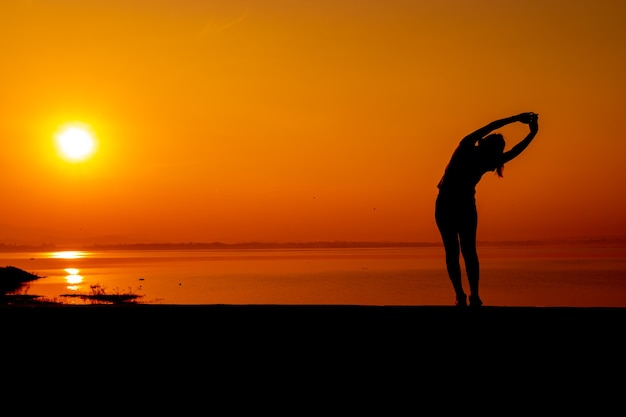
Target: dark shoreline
340	322
490	335
328	356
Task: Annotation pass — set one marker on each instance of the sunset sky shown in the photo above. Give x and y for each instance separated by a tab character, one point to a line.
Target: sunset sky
277	120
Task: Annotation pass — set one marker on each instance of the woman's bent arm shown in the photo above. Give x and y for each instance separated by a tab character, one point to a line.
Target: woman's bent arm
496	124
519	148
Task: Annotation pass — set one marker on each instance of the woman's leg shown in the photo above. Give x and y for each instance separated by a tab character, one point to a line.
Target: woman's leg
453	265
446	224
467	238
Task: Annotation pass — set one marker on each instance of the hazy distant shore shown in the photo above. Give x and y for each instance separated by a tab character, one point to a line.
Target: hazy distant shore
218	245
7	247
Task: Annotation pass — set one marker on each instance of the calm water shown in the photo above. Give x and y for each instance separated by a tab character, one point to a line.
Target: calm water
511	276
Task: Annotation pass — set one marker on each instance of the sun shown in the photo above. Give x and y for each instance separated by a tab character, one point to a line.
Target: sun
75	142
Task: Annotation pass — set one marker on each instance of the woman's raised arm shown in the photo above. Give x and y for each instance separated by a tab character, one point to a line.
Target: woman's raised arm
523	144
496	124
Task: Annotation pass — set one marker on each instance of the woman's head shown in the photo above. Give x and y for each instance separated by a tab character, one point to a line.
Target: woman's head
491	150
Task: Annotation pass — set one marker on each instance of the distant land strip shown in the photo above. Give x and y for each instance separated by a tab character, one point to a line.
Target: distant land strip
217	245
614	242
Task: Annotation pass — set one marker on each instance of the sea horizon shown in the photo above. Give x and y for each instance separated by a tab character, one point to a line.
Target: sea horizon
515	274
14	247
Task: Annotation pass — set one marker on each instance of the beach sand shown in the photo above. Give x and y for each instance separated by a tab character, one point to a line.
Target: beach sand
325	353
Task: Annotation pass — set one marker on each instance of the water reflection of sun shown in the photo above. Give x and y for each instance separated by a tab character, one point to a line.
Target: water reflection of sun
73	278
67	254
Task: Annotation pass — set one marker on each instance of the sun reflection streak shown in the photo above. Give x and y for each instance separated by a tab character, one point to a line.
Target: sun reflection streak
73	279
68	254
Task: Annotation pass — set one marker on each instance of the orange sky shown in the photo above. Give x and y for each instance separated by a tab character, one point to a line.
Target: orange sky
275	120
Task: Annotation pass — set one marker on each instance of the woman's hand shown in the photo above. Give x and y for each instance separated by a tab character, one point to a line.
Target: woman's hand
534	123
527	118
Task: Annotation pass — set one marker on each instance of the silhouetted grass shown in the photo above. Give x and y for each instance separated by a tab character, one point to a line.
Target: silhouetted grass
98	295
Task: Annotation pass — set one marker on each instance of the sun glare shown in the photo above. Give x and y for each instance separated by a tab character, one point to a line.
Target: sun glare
67	254
75	142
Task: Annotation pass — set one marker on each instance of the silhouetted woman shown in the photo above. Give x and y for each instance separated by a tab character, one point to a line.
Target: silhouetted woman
455	208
